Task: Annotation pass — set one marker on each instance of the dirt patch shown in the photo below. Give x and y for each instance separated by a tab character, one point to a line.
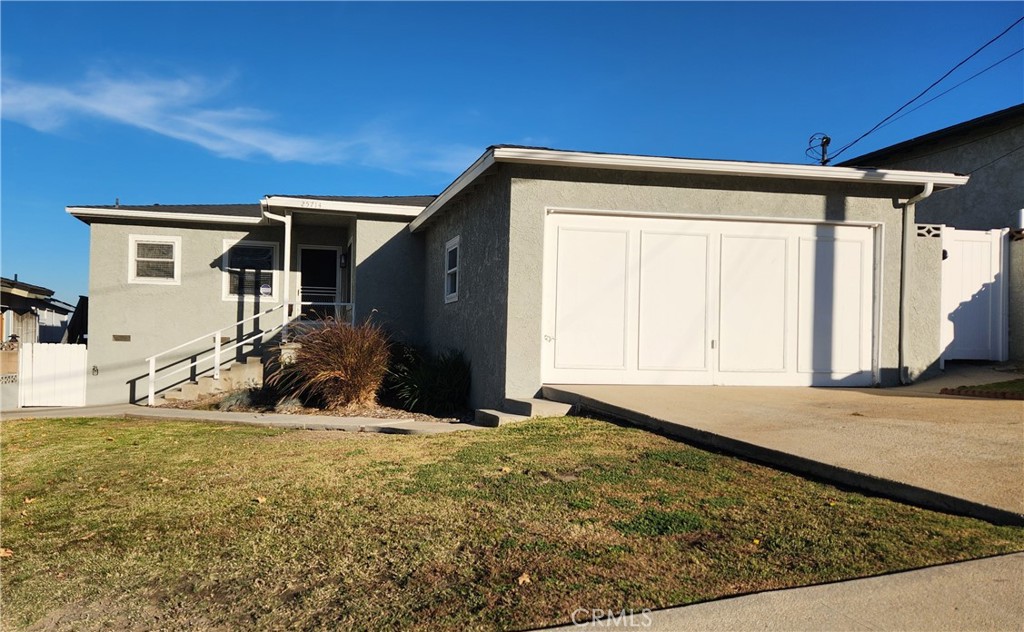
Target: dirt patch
380	411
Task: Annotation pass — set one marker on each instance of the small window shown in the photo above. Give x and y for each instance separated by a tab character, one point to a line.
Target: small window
154	259
451	270
249	269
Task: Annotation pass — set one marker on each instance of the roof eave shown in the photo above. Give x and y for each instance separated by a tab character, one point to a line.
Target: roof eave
683	165
355	208
86	214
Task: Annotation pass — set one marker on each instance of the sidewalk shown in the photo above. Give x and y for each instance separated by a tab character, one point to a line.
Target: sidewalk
275	420
977	595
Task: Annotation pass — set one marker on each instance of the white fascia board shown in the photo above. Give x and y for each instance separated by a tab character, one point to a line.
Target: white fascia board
482	164
356	208
726	167
683	165
85	212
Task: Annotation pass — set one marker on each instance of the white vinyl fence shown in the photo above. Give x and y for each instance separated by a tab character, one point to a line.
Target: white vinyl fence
974	294
51	375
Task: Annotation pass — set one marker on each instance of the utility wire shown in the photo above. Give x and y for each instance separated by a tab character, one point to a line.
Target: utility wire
992	162
980	72
923	92
963	144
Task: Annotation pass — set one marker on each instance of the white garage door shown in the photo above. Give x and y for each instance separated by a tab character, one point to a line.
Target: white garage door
633	300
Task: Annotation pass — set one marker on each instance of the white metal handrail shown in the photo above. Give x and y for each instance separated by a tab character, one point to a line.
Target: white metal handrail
214	333
218	349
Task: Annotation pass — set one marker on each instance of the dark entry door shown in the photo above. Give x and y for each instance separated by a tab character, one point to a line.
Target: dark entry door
319	273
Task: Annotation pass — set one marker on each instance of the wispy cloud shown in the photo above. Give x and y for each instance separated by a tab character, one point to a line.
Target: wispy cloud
180	108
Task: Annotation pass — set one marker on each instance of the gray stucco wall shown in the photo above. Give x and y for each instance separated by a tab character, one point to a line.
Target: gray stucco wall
1016	300
995	193
389	277
991	199
533	189
476	323
924	305
158	317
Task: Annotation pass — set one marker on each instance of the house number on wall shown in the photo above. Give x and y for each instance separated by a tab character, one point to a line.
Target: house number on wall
311	204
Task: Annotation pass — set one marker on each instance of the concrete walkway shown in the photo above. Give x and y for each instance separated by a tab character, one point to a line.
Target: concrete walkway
978	595
957	454
276	420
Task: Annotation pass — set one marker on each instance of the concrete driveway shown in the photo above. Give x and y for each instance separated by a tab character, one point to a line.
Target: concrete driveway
957	454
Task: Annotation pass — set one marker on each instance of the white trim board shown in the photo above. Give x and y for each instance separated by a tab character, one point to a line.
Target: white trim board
761	219
85	212
681	165
356	208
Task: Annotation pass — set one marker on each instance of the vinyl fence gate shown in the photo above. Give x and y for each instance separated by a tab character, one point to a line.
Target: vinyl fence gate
51	375
974	295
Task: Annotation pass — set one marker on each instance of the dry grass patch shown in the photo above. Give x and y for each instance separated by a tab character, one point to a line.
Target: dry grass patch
131	524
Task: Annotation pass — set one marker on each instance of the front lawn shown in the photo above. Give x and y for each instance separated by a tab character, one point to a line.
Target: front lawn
1009	386
128	524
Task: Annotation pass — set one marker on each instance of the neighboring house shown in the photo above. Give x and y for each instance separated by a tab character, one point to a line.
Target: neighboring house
545	266
990	149
31	313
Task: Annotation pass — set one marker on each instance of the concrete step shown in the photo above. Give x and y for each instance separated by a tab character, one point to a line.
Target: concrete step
531	407
208	385
190	390
178	394
236	375
494	418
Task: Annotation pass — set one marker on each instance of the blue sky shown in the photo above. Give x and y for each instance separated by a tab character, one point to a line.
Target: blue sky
226	102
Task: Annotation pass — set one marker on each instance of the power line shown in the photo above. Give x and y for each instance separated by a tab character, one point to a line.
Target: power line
959	145
923	92
992	162
980	72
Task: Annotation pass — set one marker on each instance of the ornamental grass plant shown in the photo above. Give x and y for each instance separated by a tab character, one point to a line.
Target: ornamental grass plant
336	366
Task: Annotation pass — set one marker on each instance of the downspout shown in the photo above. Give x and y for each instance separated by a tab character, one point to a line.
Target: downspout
285	219
908	236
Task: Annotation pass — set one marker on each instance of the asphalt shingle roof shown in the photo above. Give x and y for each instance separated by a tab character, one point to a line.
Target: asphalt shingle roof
397	200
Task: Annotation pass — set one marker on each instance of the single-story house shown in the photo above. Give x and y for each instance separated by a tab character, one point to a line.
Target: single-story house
544	266
990	149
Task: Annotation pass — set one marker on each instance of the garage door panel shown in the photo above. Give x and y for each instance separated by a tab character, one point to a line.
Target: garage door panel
591	299
673	302
633	300
831	297
752	313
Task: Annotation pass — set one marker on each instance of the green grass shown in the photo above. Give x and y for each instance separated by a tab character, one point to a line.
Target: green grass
128	524
1009	386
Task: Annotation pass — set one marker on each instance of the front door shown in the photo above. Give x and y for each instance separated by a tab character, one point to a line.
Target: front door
319	273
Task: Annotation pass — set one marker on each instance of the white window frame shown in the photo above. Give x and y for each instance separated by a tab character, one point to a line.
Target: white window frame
452	244
134	240
225	271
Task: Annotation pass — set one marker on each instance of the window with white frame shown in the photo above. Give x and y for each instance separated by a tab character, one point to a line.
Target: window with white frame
154	259
451	270
249	269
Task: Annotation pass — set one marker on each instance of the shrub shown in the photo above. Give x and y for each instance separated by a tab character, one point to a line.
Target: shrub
424	382
236	400
337	365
